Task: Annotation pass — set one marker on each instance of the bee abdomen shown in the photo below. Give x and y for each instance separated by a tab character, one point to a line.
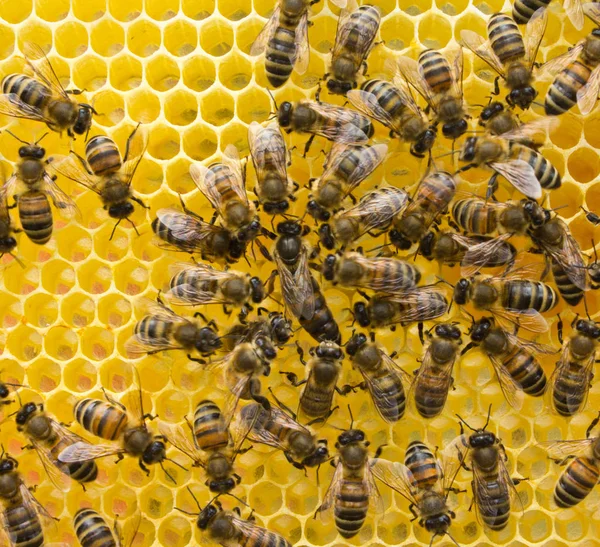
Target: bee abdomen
36	216
82	471
505	38
474	216
570	292
431	392
495	510
392	408
100	418
322	325
351	507
279	55
522	295
103	155
545	172
422	464
209	427
29	90
576	482
562	93
569	394
151	328
436	70
527	372
23	527
92	530
316	401
386	95
523	10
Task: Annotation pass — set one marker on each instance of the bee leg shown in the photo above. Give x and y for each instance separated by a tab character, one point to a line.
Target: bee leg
516	482
144	468
293	378
119	458
114	402
282	405
421	337
492	186
379	451
591	426
140	202
415	515
559	327
295	463
196	359
308	145
496	86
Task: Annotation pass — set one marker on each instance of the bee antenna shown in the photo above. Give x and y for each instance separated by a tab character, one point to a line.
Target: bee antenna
351	417
441	280
453	540
465	423
13	135
595	252
274	102
40	139
18	260
488	416
447	154
196	500
239	499
169	476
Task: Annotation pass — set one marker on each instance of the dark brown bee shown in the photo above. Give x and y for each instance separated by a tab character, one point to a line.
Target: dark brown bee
356	31
583	471
440	82
574	371
43	98
108	174
431	199
49	438
384	379
373	213
510	54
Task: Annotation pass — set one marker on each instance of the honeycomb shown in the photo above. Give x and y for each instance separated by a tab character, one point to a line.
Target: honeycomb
183	68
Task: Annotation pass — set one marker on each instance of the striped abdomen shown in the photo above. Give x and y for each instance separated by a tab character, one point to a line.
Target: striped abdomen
35	215
475	216
570	292
390	100
23	526
100	418
494	508
389	384
435	193
279	55
316	397
562	93
210	430
193	278
436	70
576	481
505	38
522	295
151	328
92	530
351	506
261	538
525	370
29	90
431	390
570	388
523	10
322	325
82	471
545	172
422	464
354	157
103	155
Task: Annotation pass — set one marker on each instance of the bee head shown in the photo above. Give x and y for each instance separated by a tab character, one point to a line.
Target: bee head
424	143
329	350
84	119
221	486
490	111
25	412
250	231
455	129
328	267
438	524
257	290
587	328
351	436
284	114
448	331
206	515
4	391
32	151
276	207
355	343
7	244
361	314
426	245
317	211
482	439
522	97
319	456
7	465
469	148
155	452
289	228
399	241
481	329
208	341
121	210
326	236
461	291
338	87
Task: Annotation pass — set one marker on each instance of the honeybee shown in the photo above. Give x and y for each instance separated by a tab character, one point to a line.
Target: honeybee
384	379
224	186
276	327
510	54
512	298
161	329
498	120
279	430
352	490
36	185
197	284
49	438
335	123
493	488
215	445
576	73
431	199
356	31
43	98
582	473
8	243
373	213
434	377
105	172
523	10
345	169
112	421
92	530
325	367
267	148
394	106
574	371
382	274
414	305
439	81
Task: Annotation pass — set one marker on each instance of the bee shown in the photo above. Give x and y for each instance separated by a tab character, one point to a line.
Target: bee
423	481
513	358
352	490
276	327
354	38
431	199
394	106
279	430
112	421
215	445
106	172
8	243
37	185
583	471
574	371
576	73
373	213
300	291
513	298
325	368
197	284
335	123
162	329
49	438
450	248
434	377
224	186
382	274
414	305
498	120
346	168
43	98
267	148
384	379
523	10
439	81
92	530
511	54
494	490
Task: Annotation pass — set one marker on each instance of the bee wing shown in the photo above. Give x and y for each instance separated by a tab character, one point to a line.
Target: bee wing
479	254
61	201
33	505
559	450
530	345
360	39
453	455
302	55
574	10
405	93
512	390
412	73
8	189
580	377
455	59
271	152
257	433
237	386
180	439
588	94
265	34
12	105
422	308
252	534
344	130
82	451
297	288
552	67
231	158
366	103
378	208
443	373
387	284
190	232
205	180
52	466
486	492
397	476
71	168
43	69
136	148
533	130
482	48
521	175
332	492
592	10
529	319
534	32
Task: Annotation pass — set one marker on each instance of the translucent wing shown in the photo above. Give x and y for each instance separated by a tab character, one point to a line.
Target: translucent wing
389	283
574	10
529	319
486	492
412	73
578	379
136	148
65	205
12	105
71	168
267	148
478	255
255	414
332	492
521	175
231	158
59	477
552	67
530	345
534	32
424	303
191	294
265	34
403	90
297	287
302	56
429	370
454	454
592	10
42	68
559	450
204	272
180	439
588	94
366	103
252	534
512	390
397	476
482	48
32	504
9	189
346	128
455	58
84	452
534	130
